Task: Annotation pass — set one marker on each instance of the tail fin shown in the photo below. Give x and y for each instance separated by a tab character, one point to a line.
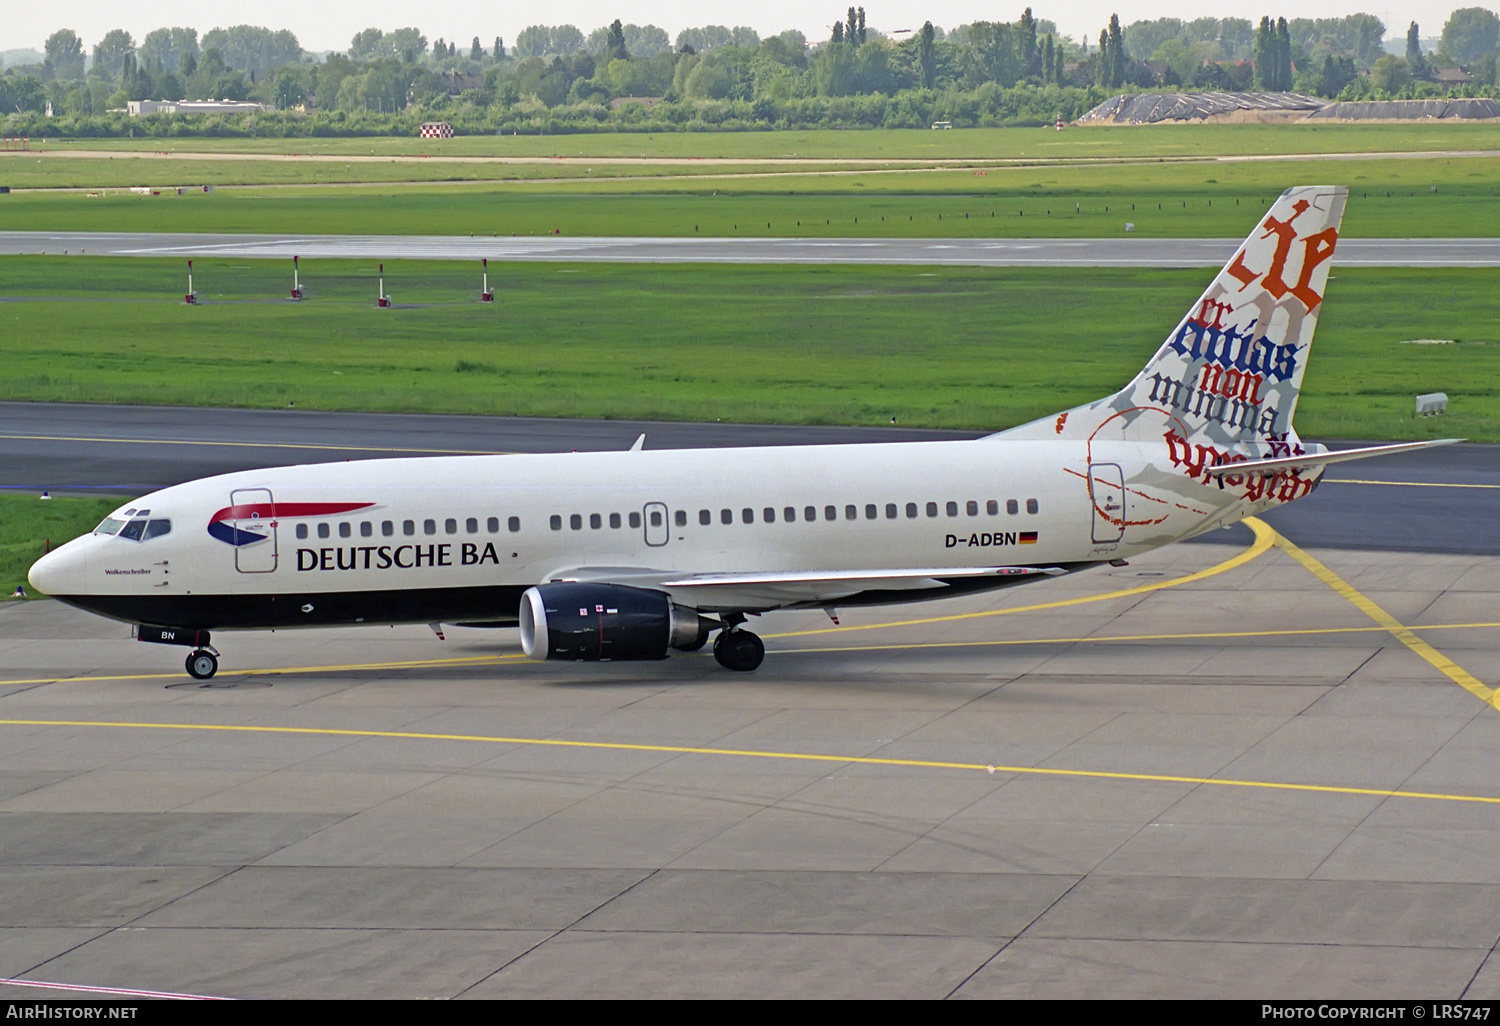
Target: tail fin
1229	374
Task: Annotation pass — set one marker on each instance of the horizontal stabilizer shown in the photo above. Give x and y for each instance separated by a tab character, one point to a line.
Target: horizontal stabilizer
1320	459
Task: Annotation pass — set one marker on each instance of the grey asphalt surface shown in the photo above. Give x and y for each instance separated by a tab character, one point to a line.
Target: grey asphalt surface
134	449
1199	791
1111	252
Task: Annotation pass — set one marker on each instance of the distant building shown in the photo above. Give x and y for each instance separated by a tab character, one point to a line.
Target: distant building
140	108
458	82
1450	77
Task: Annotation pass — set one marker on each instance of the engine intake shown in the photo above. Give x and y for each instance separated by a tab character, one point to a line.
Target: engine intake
598	622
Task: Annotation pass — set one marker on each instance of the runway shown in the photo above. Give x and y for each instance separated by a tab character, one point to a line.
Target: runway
1107	252
1440	501
1208	774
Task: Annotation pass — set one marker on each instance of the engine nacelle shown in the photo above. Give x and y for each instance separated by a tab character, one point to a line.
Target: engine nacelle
594	622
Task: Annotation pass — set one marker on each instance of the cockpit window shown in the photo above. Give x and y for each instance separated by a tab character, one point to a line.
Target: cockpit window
136	529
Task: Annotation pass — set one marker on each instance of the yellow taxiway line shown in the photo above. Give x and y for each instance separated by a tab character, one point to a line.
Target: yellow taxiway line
1402	633
750	753
1264	539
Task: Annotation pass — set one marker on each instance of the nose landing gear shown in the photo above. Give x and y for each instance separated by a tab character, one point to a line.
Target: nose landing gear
202	664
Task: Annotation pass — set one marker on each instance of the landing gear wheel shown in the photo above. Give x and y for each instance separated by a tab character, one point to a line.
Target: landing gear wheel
202	665
739	650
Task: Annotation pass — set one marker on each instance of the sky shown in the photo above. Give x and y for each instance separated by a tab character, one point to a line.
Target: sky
330	26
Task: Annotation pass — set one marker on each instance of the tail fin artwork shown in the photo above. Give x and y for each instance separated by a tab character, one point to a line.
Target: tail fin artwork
1228	375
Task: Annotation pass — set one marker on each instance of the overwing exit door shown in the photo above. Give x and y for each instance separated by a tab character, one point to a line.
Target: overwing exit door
253	519
657	528
1107	496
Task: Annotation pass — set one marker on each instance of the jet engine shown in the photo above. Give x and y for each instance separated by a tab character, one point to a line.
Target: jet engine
598	622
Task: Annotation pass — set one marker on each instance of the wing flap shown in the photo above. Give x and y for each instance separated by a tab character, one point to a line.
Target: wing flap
928	577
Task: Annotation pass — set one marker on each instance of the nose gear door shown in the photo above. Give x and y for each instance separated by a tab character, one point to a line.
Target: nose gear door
657	528
1107	496
253	518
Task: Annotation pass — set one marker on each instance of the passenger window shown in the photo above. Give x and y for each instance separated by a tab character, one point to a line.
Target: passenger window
615	521
575	521
890	511
705	517
656	519
635	520
157	528
366	529
789	514
1031	506
450	526
346	529
851	512
726	516
492	525
810	514
387	528
514	524
768	515
408	527
472	525
556	522
952	509
301	530
992	507
911	511
747	515
1012	507
133	530
971	508
830	512
681	517
322	530
595	521
932	509
429	527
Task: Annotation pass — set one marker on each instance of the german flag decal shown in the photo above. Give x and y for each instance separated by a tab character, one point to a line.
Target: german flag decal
1027	538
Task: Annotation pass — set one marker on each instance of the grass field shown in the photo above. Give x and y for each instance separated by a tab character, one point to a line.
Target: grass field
28	527
879	144
948	347
1436	197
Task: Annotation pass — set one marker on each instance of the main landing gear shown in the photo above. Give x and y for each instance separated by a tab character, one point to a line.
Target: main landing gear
202	664
737	649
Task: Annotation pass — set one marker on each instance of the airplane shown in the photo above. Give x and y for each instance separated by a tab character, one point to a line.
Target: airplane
629	555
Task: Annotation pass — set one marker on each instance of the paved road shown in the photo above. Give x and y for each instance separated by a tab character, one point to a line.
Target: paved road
1113	252
1442	501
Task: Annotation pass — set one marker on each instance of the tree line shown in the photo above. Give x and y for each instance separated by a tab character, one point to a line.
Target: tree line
559	78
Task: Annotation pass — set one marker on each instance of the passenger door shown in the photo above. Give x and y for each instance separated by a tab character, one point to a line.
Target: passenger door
1107	496
254	524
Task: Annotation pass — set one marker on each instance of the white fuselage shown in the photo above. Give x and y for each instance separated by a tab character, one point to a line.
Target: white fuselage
461	537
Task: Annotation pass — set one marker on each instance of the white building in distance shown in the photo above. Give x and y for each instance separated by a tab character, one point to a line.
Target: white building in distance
140	108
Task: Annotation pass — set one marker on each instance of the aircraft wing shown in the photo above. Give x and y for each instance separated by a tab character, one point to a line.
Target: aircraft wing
1318	459
770	589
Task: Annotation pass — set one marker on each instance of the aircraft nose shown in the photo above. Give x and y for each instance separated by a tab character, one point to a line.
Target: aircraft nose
60	572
